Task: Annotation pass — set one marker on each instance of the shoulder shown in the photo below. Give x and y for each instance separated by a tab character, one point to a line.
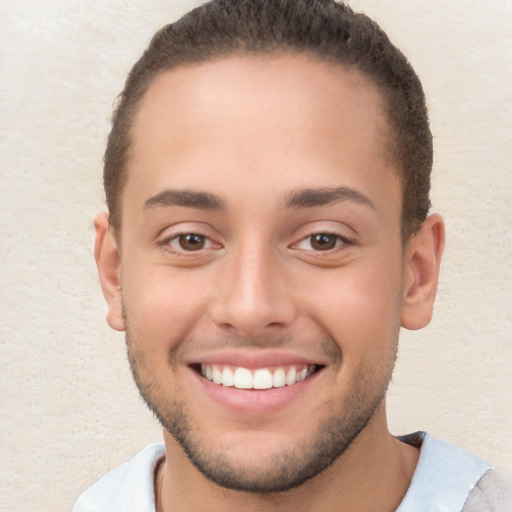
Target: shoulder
444	477
492	493
130	486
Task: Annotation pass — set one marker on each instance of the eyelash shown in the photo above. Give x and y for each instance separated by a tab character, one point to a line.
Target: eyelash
165	244
341	242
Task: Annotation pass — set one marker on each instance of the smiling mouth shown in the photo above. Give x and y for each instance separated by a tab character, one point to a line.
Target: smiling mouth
259	378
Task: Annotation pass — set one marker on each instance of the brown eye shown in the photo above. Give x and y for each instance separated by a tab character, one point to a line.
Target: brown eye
323	241
192	242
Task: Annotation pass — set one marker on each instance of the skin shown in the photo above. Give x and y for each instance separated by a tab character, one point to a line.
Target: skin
251	133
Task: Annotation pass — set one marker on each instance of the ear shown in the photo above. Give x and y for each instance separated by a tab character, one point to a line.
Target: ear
108	261
422	261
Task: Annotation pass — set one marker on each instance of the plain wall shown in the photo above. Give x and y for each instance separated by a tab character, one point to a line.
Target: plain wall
69	409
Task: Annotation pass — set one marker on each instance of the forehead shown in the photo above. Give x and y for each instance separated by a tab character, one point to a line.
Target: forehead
259	120
281	87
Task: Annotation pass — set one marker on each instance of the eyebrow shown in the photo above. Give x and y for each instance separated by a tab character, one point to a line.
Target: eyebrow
306	198
186	198
311	197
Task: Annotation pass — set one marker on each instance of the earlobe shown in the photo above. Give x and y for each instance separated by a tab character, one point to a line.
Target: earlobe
422	262
108	262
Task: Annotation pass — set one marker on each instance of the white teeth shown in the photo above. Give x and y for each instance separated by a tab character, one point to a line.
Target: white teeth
227	377
279	378
216	375
243	378
261	378
301	375
290	376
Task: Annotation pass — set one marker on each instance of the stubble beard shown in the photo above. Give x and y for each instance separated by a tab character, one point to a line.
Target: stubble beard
283	471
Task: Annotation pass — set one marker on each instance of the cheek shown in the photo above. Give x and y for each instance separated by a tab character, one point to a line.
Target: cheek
162	306
360	308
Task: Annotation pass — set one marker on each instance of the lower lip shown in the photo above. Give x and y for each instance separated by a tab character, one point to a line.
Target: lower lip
254	401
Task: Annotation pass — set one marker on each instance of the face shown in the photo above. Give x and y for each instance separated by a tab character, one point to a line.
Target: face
262	270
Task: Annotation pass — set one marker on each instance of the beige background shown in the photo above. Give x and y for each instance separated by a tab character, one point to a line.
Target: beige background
69	411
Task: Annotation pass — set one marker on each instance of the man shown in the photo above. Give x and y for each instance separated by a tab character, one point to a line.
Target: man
267	177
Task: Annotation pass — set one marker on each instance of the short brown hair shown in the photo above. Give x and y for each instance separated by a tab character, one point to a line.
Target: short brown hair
326	29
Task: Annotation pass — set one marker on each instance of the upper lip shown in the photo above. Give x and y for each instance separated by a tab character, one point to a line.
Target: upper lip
259	358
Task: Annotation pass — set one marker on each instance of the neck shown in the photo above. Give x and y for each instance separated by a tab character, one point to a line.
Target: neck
373	474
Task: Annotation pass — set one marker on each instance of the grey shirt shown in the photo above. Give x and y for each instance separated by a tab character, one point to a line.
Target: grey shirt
493	493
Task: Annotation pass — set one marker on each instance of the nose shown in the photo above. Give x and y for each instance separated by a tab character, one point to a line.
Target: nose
252	295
